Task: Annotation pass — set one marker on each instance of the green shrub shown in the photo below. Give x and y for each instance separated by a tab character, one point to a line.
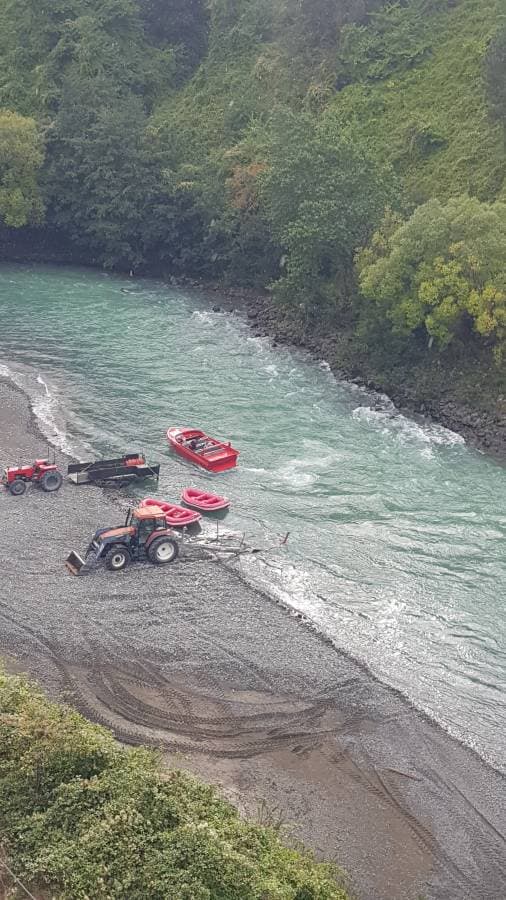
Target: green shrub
443	270
89	820
21	156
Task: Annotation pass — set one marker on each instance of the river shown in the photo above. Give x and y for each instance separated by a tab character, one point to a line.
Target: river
397	528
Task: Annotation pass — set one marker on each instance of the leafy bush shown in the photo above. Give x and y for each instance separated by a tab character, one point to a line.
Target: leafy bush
87	819
21	157
395	38
443	270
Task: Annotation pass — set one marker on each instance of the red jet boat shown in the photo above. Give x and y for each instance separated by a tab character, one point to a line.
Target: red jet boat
203	500
199	448
176	516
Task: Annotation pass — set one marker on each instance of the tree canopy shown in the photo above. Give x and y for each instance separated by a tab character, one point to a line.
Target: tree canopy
21	157
443	270
323	196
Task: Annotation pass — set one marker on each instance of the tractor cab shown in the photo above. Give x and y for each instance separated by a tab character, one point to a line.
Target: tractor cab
144	520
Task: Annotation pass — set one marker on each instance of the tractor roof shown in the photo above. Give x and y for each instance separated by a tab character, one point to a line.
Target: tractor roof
149	512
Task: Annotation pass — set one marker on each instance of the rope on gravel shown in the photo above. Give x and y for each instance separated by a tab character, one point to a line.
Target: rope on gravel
15	878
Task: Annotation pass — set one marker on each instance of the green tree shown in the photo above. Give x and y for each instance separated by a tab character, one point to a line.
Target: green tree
21	156
443	271
495	71
183	23
323	196
87	70
103	178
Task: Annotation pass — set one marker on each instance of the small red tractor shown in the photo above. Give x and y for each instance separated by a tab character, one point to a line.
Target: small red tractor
41	472
144	536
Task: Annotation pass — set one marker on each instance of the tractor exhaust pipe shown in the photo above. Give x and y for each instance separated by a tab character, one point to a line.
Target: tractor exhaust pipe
75	564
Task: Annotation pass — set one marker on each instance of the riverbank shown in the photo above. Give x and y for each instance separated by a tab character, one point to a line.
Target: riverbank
460	394
236	689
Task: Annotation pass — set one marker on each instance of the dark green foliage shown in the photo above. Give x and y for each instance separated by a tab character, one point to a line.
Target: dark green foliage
309	24
324	196
237	26
41	40
80	817
100	178
398	36
495	69
178	23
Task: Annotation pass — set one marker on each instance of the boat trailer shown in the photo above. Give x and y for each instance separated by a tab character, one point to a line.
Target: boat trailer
217	548
130	467
229	545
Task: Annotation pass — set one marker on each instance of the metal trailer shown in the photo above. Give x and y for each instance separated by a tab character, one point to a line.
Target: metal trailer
130	467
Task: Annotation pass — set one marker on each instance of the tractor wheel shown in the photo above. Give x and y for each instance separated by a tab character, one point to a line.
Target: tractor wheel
163	550
17	487
117	558
51	481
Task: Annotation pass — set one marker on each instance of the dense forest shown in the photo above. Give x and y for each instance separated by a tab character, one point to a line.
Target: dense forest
347	156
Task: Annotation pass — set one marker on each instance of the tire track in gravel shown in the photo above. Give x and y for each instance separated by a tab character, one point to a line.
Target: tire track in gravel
103	694
367	774
190	720
225	744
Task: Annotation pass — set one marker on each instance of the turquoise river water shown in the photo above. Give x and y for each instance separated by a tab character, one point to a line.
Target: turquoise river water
397	546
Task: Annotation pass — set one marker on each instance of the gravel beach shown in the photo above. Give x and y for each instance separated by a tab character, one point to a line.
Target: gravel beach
233	687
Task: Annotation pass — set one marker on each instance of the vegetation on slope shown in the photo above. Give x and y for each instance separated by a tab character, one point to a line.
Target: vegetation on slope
262	143
21	156
84	818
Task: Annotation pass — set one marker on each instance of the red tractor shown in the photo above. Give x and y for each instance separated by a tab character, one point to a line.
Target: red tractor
41	472
144	536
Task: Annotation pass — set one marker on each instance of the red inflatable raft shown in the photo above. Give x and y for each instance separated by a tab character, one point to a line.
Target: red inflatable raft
199	448
203	500
176	516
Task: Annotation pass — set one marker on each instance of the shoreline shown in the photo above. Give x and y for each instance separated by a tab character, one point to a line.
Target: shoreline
483	430
271	598
311	733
